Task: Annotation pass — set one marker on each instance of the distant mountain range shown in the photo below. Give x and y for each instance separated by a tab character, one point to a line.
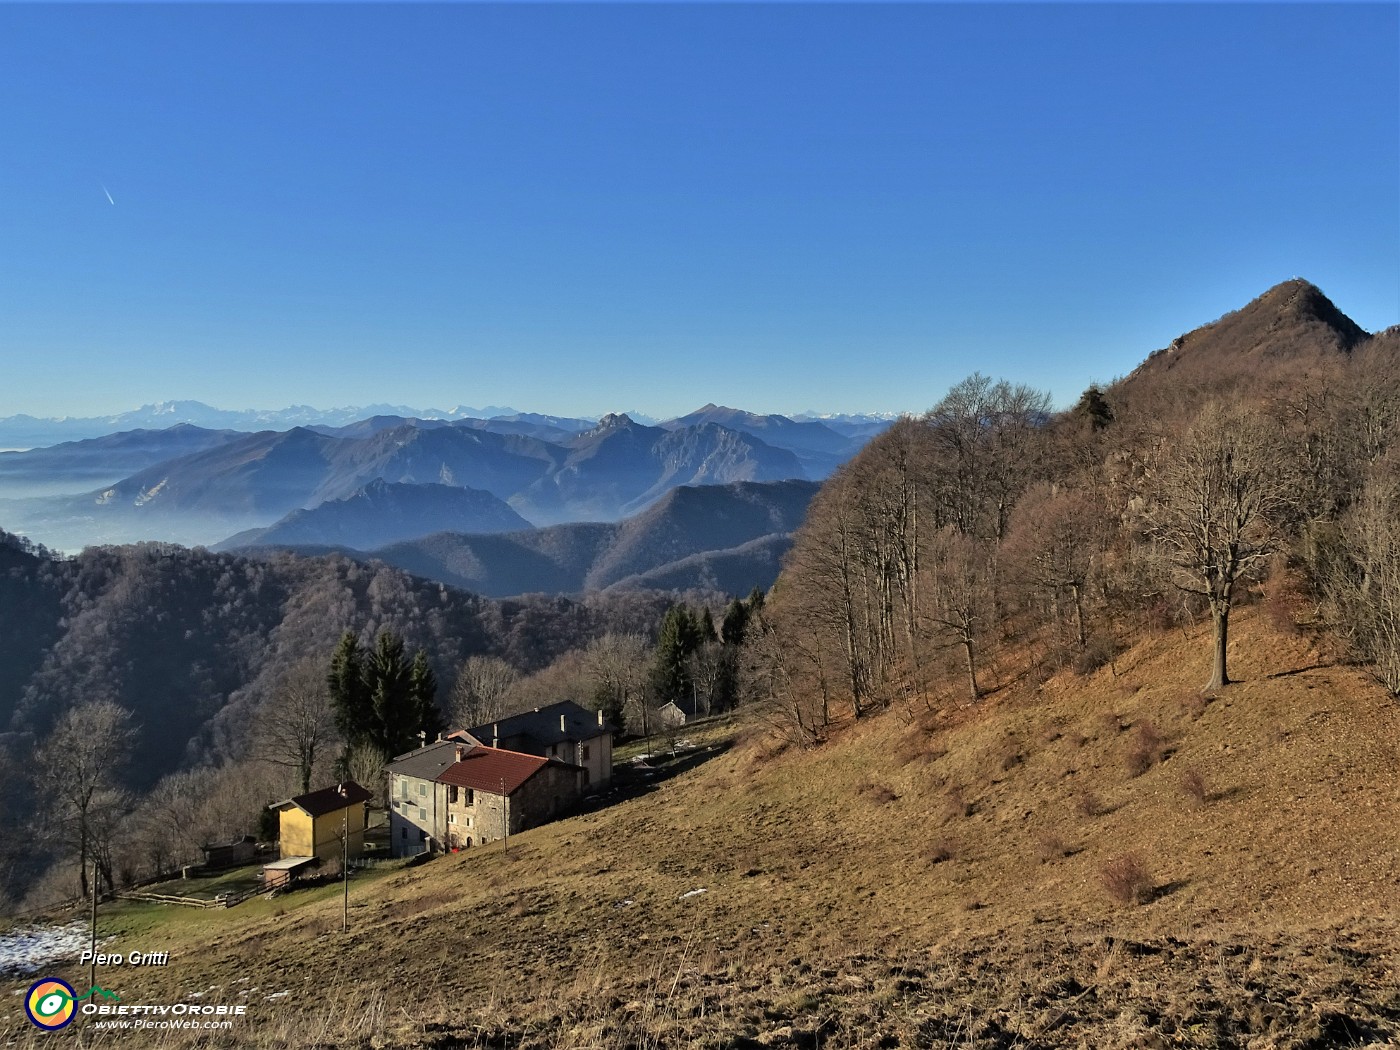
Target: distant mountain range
192	485
728	538
28	432
381	513
24	431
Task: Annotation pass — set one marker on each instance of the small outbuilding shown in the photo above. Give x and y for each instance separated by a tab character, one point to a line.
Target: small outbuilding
230	854
311	825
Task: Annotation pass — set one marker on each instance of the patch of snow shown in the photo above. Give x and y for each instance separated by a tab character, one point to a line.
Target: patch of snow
28	949
151	493
693	893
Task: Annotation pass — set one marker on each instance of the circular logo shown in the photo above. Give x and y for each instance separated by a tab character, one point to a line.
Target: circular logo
51	1004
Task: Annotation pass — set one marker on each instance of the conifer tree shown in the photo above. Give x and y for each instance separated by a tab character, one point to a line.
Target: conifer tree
705	627
670	674
736	619
349	695
422	692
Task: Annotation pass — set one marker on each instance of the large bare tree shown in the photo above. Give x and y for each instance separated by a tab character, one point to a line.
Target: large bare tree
482	691
1218	495
79	765
1361	578
1057	536
296	727
617	664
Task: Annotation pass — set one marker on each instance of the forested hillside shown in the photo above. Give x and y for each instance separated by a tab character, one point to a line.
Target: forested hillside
713	537
197	648
1255	460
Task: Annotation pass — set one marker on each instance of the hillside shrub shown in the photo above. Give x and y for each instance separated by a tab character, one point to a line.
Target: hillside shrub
1050	846
942	849
956	804
1126	879
880	794
1099	650
1145	750
1193	786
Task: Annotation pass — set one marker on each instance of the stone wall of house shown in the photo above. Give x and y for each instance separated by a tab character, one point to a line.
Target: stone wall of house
476	817
546	796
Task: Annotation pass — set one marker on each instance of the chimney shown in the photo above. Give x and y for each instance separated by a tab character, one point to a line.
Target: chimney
340	789
460	752
600	716
563	726
495	734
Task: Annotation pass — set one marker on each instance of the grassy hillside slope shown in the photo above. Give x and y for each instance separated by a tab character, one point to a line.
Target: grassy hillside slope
923	879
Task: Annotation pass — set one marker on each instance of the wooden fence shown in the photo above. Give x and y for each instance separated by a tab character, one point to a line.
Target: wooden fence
223	900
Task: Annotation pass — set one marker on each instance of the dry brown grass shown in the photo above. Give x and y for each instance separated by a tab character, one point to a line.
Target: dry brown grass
798	867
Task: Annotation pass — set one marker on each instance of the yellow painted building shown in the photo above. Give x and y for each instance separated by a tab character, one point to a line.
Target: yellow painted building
311	825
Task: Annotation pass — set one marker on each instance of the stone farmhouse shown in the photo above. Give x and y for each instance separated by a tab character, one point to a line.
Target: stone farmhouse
563	731
454	794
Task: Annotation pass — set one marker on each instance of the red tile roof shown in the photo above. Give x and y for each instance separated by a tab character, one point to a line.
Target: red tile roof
484	768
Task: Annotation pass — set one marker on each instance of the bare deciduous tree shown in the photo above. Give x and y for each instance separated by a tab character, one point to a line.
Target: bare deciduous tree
480	695
1362	577
296	727
79	765
1055	540
1217	497
366	766
617	664
960	595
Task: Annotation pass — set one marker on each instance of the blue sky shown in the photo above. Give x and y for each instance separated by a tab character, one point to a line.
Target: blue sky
579	208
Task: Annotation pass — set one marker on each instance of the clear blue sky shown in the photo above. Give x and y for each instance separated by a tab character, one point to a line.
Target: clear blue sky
579	208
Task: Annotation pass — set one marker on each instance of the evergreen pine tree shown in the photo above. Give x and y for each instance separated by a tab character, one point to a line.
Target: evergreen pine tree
736	619
386	673
354	715
422	691
1094	409
670	677
705	627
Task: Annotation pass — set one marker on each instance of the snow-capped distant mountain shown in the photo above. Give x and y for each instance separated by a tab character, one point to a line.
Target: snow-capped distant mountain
859	426
25	431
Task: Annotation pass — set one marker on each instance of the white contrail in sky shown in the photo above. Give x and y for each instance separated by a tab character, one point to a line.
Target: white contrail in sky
108	192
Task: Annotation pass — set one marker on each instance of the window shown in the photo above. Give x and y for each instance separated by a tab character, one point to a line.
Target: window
422	814
452	818
585	752
585	776
422	836
452	793
403	833
469	824
471	797
422	789
403	788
